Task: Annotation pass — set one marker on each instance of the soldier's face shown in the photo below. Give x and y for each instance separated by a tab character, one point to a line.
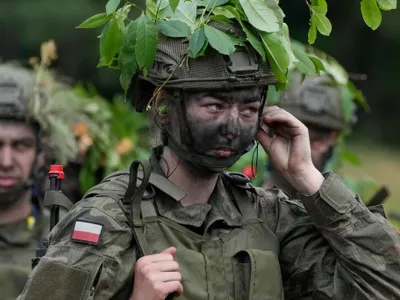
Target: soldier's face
320	146
224	123
17	154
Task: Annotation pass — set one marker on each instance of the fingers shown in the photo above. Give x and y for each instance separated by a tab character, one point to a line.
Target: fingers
170	250
174	287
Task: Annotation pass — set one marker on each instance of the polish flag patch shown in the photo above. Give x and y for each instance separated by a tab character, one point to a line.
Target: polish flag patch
87	232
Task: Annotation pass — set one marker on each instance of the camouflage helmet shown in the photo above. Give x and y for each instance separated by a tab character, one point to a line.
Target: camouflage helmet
315	101
16	86
213	71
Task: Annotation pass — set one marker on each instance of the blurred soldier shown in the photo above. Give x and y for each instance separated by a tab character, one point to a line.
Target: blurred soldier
25	133
23	222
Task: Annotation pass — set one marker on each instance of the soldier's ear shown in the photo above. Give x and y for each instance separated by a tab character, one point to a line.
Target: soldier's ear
161	107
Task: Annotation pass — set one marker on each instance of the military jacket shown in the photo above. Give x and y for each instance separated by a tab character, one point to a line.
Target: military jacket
330	246
18	243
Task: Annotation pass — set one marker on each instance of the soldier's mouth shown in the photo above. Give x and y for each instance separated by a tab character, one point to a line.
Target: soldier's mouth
6	182
221	152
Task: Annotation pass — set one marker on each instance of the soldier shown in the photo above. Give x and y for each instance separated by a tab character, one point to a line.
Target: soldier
181	226
23	222
317	103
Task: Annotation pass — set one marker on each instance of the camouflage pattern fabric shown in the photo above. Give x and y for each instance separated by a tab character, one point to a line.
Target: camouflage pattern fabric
331	245
18	243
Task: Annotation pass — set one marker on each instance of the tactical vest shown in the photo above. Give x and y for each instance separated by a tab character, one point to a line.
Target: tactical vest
241	264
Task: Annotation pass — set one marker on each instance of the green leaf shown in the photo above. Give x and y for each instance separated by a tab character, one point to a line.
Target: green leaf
323	6
387	4
197	42
173	4
272	95
219	40
312	32
221	19
94	21
211	3
276	53
324	26
287	43
110	42
151	8
186	12
260	15
146	42
127	56
319	66
224	12
304	63
122	14
174	28
371	13
111	6
255	42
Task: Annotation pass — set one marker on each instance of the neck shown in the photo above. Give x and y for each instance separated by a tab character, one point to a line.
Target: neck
18	211
198	189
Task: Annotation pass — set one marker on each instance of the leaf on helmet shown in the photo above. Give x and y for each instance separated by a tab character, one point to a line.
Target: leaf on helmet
174	28
277	56
197	42
219	40
95	21
110	42
146	42
260	15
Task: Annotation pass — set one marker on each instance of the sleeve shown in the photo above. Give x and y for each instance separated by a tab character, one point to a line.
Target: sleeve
90	255
334	247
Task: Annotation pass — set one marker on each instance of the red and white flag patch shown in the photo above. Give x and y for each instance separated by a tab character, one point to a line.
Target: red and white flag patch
87	232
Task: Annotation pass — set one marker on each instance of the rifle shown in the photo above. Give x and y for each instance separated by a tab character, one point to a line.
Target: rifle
380	196
53	199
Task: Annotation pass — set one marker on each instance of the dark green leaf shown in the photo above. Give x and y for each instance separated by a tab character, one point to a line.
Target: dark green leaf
174	28
111	6
346	100
146	42
277	56
255	42
94	21
196	42
173	4
260	15
219	40
319	66
387	4
211	3
312	32
304	63
324	26
127	56
351	157
371	13
110	42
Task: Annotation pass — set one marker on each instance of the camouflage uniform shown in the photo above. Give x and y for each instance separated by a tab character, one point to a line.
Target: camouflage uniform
245	243
18	243
329	245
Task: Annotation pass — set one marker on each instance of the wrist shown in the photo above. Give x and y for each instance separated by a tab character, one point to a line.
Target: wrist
308	182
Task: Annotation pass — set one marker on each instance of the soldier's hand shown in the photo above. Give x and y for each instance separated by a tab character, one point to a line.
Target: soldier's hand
157	276
287	143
